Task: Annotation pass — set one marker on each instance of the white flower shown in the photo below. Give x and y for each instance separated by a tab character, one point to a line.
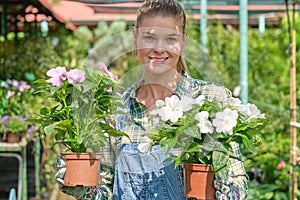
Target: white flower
237	104
200	100
225	121
172	110
252	111
158	105
248	111
204	124
186	103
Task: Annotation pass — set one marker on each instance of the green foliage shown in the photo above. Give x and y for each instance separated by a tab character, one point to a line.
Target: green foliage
113	46
37	55
272	182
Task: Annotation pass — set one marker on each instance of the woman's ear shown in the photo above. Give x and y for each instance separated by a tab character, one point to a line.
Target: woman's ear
134	38
185	35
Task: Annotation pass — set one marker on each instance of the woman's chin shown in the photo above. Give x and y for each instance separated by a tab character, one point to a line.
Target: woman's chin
159	69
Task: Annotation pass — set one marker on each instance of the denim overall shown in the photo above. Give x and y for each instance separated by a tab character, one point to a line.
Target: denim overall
145	176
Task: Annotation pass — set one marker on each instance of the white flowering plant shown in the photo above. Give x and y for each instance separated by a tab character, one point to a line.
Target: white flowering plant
203	130
79	112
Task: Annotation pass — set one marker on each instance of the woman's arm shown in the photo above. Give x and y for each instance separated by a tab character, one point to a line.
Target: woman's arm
236	185
240	178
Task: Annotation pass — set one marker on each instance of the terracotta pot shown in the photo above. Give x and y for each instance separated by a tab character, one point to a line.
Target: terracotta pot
82	169
199	181
13	138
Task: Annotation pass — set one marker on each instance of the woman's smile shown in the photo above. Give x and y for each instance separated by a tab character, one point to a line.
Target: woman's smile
158	60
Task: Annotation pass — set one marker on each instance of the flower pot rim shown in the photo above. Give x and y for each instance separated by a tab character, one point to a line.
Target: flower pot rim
85	155
197	166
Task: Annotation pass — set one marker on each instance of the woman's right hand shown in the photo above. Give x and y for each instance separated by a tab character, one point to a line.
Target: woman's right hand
60	168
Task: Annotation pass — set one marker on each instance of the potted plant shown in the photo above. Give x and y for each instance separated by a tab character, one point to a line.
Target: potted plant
14	127
79	116
203	130
15	98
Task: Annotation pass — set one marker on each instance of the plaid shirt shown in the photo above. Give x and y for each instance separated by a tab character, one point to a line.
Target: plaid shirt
138	119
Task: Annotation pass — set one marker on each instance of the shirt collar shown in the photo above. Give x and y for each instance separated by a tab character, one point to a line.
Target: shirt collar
178	91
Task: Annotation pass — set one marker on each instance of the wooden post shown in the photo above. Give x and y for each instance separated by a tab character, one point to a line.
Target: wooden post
293	187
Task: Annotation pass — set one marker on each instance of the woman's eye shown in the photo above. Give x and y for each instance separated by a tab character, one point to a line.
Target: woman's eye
149	38
171	40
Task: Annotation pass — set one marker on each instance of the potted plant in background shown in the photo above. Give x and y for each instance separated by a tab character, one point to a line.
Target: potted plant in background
15	101
203	131
14	128
79	116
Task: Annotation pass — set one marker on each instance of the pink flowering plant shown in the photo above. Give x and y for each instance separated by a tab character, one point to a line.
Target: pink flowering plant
15	99
203	130
15	95
80	111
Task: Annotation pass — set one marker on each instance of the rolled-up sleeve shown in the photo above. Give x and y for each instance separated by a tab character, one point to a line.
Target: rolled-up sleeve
240	177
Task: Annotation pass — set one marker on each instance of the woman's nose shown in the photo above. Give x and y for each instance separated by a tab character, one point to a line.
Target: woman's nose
159	46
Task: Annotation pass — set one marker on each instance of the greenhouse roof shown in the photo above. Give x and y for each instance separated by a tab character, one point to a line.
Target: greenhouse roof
89	12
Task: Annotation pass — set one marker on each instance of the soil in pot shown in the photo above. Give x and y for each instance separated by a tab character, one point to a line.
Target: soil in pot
199	181
82	169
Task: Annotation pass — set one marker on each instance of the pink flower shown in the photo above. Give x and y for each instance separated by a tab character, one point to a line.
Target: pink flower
103	67
75	75
281	165
56	74
23	86
10	94
15	83
55	82
109	90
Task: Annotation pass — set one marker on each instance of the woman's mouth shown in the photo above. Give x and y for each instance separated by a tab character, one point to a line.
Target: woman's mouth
158	60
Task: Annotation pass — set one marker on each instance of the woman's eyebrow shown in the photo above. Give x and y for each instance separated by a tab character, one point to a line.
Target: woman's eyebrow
148	32
173	34
169	35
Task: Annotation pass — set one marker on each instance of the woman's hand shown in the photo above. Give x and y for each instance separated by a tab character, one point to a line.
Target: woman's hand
60	168
225	189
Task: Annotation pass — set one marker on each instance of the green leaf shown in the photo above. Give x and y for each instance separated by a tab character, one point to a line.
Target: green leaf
219	160
248	144
168	143
111	131
50	128
116	133
194	147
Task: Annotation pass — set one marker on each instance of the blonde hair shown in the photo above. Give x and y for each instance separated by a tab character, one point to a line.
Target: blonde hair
164	8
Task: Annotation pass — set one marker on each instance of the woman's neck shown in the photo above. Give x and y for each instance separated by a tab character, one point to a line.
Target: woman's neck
156	87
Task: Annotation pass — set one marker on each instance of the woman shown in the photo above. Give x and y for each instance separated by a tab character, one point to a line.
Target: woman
160	38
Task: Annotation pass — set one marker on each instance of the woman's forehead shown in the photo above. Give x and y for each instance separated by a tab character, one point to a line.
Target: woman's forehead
160	23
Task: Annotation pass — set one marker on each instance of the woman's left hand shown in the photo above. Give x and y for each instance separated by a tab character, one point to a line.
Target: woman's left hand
225	188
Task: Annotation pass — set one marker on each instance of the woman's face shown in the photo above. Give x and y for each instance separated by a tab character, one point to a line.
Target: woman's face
159	42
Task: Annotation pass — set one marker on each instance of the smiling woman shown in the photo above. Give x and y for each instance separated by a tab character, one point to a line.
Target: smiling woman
159	38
